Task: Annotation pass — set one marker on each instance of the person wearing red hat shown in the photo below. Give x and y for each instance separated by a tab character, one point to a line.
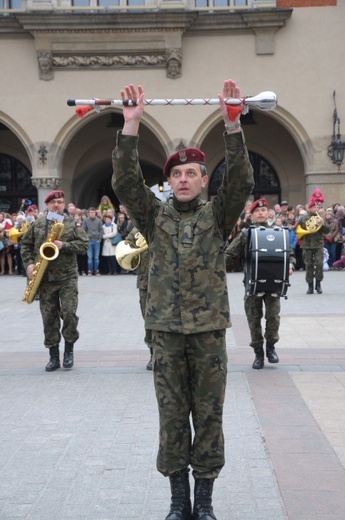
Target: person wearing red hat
32	213
255	304
58	289
187	305
313	227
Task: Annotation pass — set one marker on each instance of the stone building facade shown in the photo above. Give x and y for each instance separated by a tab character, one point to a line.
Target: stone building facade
53	50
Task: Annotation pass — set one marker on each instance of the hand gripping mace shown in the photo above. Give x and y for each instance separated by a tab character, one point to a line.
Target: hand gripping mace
263	101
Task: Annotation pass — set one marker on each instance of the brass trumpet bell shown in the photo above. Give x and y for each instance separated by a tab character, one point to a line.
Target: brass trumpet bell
128	255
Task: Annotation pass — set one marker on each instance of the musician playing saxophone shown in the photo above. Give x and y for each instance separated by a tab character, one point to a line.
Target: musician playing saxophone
59	286
312	246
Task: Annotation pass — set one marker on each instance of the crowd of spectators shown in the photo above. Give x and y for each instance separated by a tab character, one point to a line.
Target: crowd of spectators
104	222
101	223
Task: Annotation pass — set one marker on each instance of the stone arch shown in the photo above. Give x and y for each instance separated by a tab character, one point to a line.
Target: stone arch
282	141
83	149
17	143
17	152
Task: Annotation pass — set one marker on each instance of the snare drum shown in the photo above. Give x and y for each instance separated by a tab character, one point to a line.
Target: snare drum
267	261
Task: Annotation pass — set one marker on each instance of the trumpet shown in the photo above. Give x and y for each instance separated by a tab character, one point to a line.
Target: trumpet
128	255
312	225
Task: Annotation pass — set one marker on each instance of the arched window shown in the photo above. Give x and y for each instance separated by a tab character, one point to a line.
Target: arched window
15	184
266	179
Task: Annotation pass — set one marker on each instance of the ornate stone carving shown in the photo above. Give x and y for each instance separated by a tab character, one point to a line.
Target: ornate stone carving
174	63
51	183
42	155
116	61
45	65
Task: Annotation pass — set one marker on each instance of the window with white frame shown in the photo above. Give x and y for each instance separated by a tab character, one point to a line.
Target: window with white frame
223	3
107	3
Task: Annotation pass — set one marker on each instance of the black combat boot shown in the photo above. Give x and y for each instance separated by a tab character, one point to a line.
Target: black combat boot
203	509
149	364
271	354
54	361
318	287
259	358
310	288
68	358
180	507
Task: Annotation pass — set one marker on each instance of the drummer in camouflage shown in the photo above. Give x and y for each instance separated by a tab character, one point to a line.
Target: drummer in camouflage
254	304
187	303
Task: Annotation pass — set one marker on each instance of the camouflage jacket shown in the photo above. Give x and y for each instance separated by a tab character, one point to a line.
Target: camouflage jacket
187	290
312	240
74	241
238	249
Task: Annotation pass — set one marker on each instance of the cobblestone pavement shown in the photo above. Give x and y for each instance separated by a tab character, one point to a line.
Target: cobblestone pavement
81	444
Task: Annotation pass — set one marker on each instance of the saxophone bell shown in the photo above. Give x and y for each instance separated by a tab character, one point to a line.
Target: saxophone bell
49	251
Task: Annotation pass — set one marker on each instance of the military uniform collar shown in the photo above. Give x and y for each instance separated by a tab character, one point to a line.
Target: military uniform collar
187	206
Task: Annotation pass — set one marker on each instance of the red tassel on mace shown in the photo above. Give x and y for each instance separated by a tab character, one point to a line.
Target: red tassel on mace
233	111
82	111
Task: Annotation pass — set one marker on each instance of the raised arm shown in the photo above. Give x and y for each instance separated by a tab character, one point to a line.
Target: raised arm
231	114
133	112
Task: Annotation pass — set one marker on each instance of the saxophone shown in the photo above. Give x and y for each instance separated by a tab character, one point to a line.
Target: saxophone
48	252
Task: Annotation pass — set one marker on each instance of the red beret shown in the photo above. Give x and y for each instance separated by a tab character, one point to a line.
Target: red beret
260	203
317	195
56	194
311	203
184	156
33	206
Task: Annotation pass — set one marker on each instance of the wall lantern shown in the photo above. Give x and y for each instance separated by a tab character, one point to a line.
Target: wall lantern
336	149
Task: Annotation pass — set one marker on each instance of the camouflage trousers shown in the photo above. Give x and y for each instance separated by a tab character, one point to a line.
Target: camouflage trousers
142	301
190	380
59	302
313	260
253	306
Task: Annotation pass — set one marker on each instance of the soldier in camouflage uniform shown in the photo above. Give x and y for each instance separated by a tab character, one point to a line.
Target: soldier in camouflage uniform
142	283
253	304
187	305
59	286
312	248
